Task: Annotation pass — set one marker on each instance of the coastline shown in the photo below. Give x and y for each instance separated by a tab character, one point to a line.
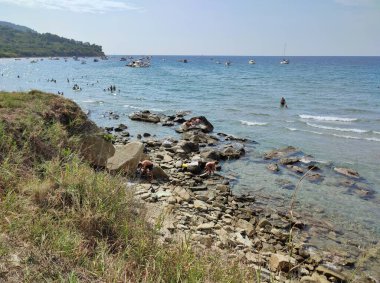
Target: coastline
334	236
205	211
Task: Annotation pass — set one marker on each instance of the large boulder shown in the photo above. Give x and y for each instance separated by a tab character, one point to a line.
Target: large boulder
159	173
96	150
232	152
188	146
126	158
145	116
210	154
196	123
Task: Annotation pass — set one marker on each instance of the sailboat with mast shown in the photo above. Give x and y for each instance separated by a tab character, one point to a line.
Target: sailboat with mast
284	60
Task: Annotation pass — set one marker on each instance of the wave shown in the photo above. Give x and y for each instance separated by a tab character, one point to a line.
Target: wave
327	118
377	133
259	114
294	129
248	123
93	101
337	129
157	110
133	107
335	135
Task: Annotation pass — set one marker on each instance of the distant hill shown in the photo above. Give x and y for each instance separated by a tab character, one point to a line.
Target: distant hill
20	41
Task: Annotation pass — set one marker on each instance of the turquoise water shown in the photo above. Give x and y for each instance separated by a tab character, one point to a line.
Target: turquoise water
333	114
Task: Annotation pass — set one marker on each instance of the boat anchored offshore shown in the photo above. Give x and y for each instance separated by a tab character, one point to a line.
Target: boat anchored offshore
251	62
140	63
284	61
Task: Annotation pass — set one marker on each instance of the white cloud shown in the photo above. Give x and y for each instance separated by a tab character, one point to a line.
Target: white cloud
82	6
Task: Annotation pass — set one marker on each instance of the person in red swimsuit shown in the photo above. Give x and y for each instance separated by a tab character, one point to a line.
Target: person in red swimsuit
146	168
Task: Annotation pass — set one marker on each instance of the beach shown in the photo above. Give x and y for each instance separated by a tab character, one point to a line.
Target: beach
327	122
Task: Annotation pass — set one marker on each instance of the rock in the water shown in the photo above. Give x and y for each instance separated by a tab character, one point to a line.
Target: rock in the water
347	172
279	262
96	149
279	153
126	158
145	116
289	160
231	152
196	123
273	167
210	154
331	273
295	169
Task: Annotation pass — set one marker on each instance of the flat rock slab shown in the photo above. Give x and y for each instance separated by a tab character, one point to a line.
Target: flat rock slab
199	188
126	158
347	172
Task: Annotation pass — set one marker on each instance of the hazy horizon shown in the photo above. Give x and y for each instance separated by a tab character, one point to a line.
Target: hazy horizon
210	28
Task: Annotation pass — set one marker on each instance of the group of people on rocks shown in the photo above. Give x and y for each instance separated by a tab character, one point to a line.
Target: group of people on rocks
145	168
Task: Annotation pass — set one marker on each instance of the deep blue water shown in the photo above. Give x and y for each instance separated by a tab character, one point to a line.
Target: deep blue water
333	114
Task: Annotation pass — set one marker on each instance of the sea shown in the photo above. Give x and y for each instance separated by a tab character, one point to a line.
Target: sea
333	116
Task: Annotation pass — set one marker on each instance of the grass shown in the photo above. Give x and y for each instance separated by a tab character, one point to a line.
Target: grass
63	221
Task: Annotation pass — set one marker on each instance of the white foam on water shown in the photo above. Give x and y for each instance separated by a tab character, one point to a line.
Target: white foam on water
337	129
335	135
131	106
327	118
249	123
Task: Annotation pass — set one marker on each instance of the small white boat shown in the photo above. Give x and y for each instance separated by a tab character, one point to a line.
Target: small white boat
140	63
228	63
284	61
251	62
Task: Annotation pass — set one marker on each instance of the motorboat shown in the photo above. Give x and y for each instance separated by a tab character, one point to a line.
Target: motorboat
228	63
140	63
251	61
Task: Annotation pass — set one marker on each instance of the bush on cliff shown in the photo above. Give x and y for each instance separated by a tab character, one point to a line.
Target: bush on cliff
61	220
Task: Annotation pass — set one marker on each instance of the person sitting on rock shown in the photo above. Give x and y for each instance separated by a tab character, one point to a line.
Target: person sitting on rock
210	167
193	122
146	168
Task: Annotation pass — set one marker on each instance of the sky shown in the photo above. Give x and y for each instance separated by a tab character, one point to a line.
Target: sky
208	27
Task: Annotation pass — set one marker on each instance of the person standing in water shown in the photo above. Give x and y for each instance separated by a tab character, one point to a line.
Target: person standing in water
283	103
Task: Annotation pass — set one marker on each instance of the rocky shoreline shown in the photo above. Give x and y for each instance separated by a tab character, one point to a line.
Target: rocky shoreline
202	210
